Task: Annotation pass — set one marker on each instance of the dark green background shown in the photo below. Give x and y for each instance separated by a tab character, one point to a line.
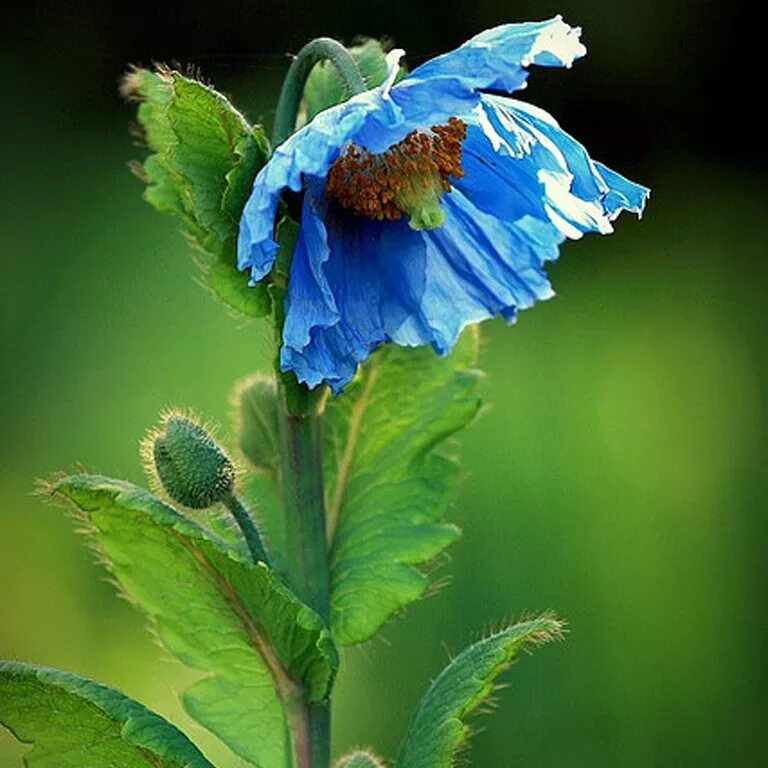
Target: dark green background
618	474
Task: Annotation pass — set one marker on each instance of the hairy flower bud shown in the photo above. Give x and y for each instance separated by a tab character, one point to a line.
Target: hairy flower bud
359	759
189	464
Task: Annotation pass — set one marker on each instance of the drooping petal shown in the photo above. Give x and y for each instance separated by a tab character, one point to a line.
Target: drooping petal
308	288
374	272
392	283
478	265
308	151
541	170
623	194
497	58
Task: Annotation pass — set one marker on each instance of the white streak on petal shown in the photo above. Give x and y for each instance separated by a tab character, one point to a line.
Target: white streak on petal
393	67
523	139
559	40
566	209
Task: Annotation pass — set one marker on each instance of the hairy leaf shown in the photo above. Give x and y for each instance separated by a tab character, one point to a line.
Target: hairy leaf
359	759
439	725
217	612
204	158
75	722
390	478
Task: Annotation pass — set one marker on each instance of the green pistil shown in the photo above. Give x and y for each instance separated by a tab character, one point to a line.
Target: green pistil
420	199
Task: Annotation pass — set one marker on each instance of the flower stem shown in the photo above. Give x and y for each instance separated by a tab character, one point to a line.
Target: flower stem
293	86
306	547
302	485
248	529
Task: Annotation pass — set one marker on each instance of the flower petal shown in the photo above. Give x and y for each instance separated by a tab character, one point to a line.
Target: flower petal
623	194
478	266
308	288
372	271
540	170
308	151
391	283
497	58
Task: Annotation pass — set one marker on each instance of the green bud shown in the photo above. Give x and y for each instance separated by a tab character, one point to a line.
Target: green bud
256	416
359	759
188	462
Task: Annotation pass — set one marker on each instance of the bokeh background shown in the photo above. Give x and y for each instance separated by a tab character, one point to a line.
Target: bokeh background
619	473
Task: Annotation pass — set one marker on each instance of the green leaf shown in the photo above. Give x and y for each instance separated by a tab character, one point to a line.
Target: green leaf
231	286
324	87
439	727
204	158
257	644
75	722
390	478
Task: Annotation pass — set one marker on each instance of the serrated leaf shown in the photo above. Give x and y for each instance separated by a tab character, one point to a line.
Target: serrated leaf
217	612
390	477
229	285
324	87
75	722
204	159
439	726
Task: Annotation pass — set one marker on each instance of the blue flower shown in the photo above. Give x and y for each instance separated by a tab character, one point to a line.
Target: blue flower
428	204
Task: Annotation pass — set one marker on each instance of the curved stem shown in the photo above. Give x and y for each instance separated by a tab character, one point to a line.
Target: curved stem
248	528
293	86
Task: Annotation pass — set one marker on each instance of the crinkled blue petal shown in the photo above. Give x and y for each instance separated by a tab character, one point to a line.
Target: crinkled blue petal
308	287
392	283
542	169
308	151
375	273
497	58
623	194
479	265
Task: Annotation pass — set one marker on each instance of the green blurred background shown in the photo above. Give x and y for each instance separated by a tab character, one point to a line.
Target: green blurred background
617	476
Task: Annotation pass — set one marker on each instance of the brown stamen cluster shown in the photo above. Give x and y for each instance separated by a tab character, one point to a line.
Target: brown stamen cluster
378	185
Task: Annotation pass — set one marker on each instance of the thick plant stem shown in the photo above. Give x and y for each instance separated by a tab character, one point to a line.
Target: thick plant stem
293	85
302	486
301	453
306	548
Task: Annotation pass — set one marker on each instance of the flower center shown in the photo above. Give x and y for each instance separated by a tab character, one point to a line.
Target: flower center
409	178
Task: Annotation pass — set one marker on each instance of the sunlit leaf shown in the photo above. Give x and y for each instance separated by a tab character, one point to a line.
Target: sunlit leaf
218	613
204	158
390	477
74	722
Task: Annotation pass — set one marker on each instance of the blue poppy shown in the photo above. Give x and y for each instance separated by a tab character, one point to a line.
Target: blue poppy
428	204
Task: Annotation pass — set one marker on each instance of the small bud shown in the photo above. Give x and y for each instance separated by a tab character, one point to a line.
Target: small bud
189	463
256	416
359	759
